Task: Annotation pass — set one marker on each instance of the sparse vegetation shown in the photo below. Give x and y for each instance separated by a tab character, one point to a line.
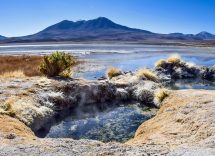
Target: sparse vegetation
18	65
131	105
2	111
161	94
146	109
159	63
148	74
173	59
14	74
113	72
58	63
7	109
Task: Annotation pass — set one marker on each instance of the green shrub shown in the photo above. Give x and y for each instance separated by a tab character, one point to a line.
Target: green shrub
57	63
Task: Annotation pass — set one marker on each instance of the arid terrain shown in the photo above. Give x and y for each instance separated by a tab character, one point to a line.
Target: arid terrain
183	125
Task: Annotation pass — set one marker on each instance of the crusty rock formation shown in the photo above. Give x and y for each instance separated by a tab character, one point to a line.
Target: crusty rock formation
38	101
178	69
185	121
184	125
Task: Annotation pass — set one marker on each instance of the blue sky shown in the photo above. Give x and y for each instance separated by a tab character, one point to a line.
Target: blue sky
24	17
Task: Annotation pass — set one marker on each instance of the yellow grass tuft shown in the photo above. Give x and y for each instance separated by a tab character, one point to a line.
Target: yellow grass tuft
148	74
113	72
13	74
2	111
7	109
174	59
159	63
161	94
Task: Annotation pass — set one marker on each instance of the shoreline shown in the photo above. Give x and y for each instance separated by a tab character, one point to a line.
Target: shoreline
174	43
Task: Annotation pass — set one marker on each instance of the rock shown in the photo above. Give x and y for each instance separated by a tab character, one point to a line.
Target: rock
125	80
86	92
144	92
51	97
10	136
208	73
146	97
122	94
181	70
102	78
186	119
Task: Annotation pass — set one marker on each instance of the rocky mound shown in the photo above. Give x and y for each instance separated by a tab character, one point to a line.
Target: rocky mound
174	68
38	102
185	123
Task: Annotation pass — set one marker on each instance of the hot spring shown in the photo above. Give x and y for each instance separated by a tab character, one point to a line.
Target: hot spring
112	124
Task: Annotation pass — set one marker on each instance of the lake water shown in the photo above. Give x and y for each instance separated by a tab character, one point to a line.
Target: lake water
128	57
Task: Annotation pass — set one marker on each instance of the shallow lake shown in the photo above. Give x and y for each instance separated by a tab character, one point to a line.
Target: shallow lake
128	57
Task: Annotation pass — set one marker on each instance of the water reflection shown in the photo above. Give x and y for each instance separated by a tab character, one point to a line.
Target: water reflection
192	84
132	62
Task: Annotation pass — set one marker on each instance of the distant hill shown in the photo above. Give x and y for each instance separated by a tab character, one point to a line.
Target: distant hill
206	35
2	37
103	29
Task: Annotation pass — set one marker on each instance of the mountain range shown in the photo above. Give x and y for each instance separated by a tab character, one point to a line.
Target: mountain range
102	29
2	37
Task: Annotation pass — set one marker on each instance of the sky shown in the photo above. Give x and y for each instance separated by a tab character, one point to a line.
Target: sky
25	17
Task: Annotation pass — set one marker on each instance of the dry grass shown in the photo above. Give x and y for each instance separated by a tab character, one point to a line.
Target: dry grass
7	109
11	65
148	74
14	74
113	72
159	63
174	59
161	94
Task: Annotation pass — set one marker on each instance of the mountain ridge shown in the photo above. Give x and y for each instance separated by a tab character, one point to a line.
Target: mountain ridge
206	35
2	37
103	29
